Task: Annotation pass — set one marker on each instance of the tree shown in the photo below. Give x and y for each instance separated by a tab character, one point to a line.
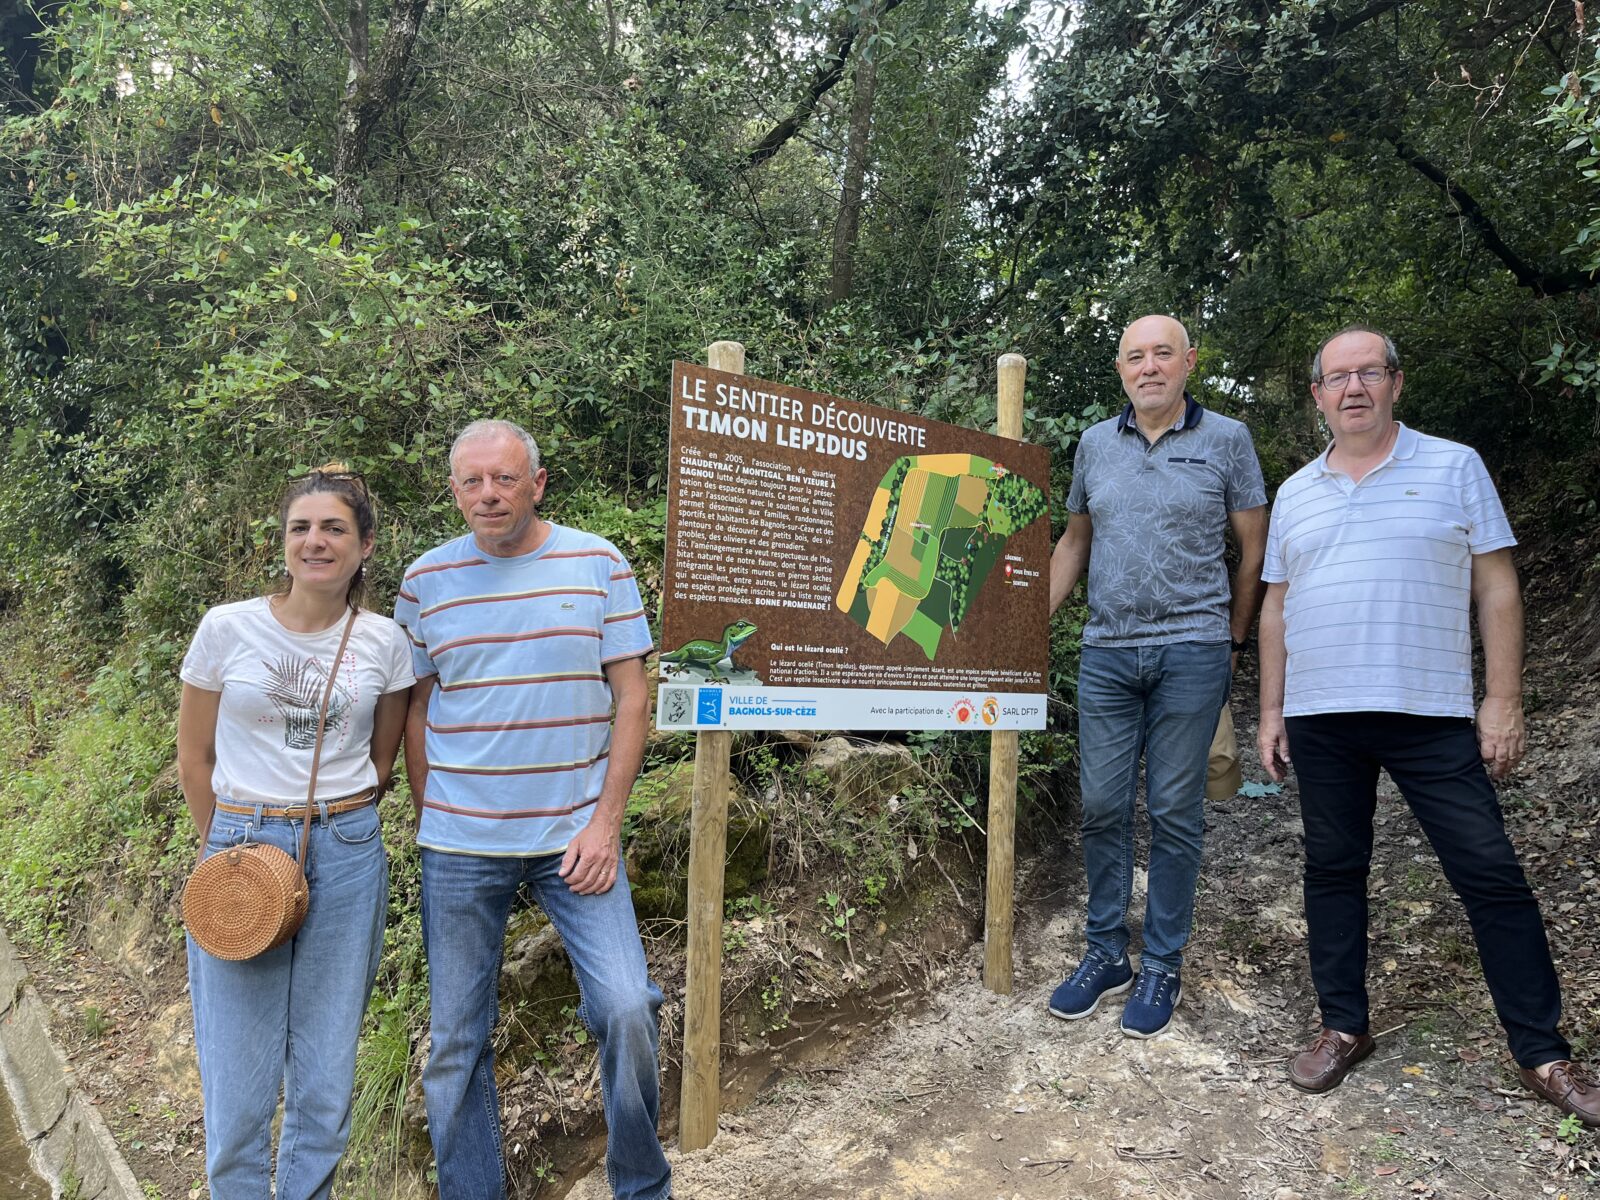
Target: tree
1278	170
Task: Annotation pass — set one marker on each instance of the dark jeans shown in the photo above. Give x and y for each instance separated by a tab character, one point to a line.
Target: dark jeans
1434	762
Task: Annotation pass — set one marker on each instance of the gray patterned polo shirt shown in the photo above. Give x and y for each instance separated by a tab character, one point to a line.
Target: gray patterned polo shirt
1156	572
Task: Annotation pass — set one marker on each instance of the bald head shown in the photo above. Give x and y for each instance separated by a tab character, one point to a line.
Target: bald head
1157	328
1154	359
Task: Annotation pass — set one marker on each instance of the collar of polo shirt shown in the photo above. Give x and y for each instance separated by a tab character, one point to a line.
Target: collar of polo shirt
1405	445
1192	413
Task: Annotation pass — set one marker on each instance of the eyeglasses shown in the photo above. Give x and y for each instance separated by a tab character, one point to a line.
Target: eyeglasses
351	477
1336	381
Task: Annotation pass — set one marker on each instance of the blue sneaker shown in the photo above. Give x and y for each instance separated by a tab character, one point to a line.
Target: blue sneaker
1095	978
1149	1010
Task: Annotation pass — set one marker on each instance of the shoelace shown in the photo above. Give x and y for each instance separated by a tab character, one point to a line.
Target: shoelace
1151	984
1581	1077
1325	1038
1089	968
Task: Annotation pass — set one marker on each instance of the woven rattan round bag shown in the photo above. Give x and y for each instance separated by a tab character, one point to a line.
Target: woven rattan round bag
244	900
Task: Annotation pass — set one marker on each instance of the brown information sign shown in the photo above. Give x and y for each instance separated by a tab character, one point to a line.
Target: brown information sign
833	565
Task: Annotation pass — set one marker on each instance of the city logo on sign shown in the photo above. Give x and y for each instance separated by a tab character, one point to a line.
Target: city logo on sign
990	710
709	711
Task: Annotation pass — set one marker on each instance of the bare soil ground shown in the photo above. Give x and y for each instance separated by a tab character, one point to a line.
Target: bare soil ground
945	1090
979	1096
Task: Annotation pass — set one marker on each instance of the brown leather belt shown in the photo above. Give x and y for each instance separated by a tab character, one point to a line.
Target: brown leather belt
297	812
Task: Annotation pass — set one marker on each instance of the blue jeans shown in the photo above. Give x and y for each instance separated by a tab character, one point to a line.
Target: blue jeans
1163	701
466	900
292	1016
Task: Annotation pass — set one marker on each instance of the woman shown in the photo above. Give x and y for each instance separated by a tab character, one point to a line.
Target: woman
253	682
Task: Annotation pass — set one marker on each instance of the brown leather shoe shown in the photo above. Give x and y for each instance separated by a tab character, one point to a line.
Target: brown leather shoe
1570	1088
1322	1066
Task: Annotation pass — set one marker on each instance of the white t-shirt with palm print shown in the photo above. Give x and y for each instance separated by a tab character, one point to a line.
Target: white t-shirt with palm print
272	680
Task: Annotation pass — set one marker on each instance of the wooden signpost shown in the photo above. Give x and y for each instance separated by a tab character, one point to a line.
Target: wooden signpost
702	1050
708	852
997	908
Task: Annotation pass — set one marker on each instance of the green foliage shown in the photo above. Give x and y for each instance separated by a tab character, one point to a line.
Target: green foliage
80	793
1271	173
1570	1129
1574	114
837	914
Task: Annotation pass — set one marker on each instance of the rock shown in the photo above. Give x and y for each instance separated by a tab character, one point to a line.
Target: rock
124	935
658	846
533	951
174	1064
1233	995
1335	1160
800	739
863	774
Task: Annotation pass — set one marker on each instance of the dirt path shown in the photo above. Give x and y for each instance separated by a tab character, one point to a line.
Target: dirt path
983	1096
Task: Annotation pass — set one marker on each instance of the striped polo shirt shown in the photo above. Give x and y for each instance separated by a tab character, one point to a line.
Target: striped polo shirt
520	725
1380	579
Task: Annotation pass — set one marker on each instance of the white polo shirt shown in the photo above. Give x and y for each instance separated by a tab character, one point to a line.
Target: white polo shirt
1380	579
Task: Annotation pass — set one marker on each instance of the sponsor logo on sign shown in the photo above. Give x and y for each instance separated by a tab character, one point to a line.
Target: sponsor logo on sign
990	710
963	711
676	705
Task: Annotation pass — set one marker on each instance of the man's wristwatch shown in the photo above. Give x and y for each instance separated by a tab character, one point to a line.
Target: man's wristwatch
1241	647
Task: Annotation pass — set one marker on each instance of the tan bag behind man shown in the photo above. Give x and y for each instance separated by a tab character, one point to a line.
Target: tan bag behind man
1223	775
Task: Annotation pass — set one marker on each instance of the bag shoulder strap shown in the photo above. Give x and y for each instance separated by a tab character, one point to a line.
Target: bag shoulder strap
322	727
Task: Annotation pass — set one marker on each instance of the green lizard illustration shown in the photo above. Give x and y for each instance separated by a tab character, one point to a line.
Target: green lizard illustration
708	655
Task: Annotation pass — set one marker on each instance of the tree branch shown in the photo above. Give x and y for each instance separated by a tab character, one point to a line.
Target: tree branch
829	71
1542	283
1334	24
338	30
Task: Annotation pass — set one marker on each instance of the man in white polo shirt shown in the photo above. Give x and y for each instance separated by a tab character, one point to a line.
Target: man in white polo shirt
1374	552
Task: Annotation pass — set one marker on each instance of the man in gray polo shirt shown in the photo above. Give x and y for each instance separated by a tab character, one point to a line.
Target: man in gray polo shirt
1375	550
1153	491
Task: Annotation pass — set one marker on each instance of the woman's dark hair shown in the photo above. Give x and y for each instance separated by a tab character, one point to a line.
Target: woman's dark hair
335	479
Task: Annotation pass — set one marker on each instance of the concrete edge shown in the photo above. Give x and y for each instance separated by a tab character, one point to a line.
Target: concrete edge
69	1141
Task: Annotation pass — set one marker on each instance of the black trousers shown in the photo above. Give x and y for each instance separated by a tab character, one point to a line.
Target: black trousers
1434	762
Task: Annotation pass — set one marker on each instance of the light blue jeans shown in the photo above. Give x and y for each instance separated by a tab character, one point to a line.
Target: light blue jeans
466	900
1163	702
290	1017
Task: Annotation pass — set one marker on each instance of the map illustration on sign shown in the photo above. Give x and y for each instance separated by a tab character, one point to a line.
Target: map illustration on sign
937	525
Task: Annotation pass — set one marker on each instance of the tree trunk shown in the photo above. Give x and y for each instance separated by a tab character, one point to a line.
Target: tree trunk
372	88
847	227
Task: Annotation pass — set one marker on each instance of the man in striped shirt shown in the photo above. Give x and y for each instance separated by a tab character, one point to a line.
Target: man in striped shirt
525	635
1374	553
